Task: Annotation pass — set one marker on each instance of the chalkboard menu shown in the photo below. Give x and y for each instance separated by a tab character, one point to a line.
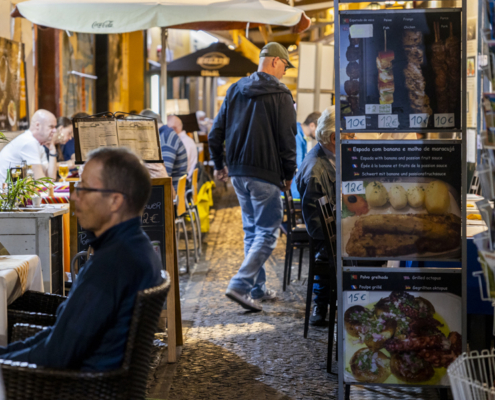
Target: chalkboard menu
154	220
153	223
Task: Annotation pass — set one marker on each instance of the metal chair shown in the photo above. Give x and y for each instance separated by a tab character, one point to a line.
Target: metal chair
180	213
324	271
28	381
192	201
297	237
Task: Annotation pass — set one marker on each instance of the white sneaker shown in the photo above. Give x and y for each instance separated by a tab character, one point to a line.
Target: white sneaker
268	296
244	300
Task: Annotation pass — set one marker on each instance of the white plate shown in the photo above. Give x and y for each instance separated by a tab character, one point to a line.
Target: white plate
349	222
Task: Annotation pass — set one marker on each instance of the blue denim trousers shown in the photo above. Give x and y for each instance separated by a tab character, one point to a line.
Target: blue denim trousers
262	214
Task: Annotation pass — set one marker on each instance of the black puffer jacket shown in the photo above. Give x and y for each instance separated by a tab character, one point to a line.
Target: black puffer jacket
257	122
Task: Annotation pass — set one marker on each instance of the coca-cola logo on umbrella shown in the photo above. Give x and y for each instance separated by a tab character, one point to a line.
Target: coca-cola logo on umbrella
213	60
105	24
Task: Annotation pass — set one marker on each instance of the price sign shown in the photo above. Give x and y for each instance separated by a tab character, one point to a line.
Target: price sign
388	121
418	120
444	120
354	187
378	108
355	123
353	298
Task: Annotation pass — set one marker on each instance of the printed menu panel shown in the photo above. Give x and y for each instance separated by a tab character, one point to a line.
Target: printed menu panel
400	70
401	200
401	326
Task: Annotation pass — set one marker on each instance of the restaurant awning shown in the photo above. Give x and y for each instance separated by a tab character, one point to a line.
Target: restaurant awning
119	16
215	60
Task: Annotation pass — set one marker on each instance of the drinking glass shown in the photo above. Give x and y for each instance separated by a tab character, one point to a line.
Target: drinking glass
63	171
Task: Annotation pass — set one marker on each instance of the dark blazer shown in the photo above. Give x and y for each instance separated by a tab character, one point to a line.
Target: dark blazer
315	179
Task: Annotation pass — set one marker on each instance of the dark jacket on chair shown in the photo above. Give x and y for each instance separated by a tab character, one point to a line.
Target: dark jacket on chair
315	179
257	122
91	330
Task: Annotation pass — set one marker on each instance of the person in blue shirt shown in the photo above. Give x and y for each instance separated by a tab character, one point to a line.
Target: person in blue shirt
92	325
173	151
306	129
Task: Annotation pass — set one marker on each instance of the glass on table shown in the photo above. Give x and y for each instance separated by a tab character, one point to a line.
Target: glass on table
63	171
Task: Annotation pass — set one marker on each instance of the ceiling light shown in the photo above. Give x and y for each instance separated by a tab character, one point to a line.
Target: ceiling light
374	6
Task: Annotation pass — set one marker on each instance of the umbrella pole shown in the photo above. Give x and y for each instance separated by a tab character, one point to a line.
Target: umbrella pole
163	76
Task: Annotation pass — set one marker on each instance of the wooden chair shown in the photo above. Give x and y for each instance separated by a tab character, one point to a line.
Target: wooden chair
180	213
324	271
297	238
28	381
192	201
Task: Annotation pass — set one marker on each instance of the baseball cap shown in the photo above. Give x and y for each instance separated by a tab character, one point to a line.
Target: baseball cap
274	49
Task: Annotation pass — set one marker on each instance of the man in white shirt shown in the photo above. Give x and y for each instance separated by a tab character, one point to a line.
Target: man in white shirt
175	123
28	147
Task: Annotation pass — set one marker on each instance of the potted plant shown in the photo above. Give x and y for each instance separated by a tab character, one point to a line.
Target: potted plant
18	192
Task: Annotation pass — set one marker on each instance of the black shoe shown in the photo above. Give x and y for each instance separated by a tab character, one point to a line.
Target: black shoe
318	315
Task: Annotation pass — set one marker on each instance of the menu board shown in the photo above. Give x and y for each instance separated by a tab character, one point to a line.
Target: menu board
400	70
402	326
12	87
139	135
401	200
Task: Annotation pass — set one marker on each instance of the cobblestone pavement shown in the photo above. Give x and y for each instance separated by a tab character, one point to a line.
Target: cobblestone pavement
232	354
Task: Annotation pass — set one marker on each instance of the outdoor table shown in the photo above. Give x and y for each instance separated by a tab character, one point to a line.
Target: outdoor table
17	274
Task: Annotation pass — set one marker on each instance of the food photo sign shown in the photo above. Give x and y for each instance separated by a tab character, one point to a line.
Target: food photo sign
401	326
401	200
400	70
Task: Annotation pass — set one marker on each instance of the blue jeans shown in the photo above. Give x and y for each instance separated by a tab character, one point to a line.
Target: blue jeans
262	214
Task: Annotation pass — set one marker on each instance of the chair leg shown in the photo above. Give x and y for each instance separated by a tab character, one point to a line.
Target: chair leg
177	239
183	222
193	227
331	328
198	225
286	263
347	395
309	297
301	252
289	270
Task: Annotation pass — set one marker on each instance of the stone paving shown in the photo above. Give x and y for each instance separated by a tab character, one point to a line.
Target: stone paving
232	354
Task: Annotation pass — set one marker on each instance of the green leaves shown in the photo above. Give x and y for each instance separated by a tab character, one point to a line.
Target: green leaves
3	138
20	191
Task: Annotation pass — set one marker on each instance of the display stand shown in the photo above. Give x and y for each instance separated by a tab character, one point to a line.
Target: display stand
378	229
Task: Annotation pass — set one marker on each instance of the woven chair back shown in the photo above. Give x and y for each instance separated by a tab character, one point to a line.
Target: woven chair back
327	219
147	309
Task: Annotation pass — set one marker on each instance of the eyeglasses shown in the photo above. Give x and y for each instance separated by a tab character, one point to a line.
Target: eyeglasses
285	63
78	188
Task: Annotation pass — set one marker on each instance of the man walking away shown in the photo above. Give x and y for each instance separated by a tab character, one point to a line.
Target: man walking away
257	122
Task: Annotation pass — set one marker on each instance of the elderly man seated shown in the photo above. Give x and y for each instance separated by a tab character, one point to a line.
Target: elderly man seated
315	179
92	324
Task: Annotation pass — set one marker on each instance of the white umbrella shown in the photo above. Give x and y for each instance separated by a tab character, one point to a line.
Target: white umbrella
119	16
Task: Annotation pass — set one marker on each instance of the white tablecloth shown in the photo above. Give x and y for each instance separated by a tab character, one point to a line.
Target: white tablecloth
10	285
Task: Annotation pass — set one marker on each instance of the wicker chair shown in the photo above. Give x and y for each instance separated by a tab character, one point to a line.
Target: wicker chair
28	381
34	308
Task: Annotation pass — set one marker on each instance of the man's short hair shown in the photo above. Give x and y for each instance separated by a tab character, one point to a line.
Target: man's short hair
326	126
80	115
312	118
124	172
151	114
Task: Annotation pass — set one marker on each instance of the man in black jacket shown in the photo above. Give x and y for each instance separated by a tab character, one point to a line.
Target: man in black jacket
257	122
315	179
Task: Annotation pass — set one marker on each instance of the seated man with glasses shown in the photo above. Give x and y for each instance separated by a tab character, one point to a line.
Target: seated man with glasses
92	325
